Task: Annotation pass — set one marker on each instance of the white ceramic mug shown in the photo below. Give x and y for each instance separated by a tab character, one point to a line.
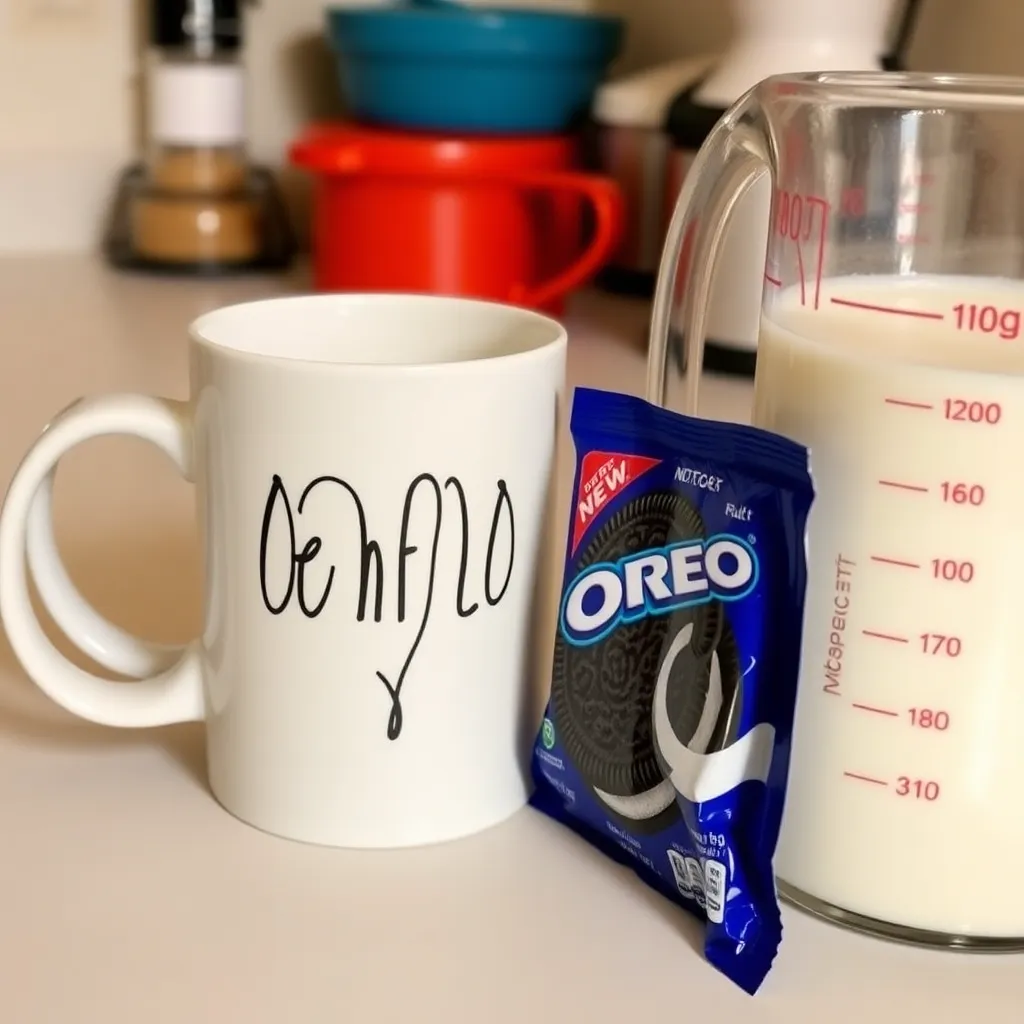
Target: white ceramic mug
372	475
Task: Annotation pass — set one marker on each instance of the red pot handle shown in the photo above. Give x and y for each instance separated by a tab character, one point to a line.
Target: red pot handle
603	194
606	199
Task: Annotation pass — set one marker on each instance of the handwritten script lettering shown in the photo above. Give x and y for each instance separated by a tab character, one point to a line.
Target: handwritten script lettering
423	513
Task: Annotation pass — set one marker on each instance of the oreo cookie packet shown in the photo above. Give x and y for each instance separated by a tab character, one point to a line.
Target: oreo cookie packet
666	738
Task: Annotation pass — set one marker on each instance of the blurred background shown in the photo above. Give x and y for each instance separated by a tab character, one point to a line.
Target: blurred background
72	89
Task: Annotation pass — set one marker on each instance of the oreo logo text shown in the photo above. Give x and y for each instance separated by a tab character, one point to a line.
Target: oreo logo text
655	582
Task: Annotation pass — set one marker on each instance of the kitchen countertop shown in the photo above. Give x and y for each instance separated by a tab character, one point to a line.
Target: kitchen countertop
128	895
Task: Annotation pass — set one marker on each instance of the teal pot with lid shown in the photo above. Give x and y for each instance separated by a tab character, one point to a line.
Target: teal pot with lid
435	65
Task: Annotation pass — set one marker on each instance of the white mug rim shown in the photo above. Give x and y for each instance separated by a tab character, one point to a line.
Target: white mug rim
204	329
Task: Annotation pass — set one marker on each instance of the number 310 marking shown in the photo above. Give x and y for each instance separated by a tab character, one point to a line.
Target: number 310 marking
919	789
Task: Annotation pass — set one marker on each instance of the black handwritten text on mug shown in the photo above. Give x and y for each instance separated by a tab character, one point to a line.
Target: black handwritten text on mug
496	578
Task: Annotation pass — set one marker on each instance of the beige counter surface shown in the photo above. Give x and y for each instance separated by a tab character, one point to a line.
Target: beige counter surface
127	896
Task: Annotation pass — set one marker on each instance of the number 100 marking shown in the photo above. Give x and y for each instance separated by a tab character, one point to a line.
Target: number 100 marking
950	570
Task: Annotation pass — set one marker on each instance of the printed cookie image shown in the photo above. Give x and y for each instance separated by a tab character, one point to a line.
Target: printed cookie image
730	677
602	694
705	718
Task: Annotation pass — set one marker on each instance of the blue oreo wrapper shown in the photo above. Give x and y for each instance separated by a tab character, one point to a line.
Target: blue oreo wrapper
666	738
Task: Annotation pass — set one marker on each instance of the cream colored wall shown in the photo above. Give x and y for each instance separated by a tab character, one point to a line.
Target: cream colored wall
70	88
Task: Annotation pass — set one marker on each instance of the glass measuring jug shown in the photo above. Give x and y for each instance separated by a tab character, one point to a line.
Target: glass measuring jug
891	344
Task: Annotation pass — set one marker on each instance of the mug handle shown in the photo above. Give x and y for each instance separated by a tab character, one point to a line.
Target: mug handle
168	694
606	199
104	641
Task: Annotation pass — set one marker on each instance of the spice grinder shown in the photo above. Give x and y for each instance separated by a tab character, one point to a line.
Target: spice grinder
195	204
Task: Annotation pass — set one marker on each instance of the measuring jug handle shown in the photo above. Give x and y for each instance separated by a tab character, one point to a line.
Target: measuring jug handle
735	154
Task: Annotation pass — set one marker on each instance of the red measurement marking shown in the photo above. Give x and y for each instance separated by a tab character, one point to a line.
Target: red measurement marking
913	207
794	222
906	404
794	148
877	711
871	308
949	569
928	718
919	789
800	270
852	202
773	280
886	636
836	625
865	778
939	643
903	487
960	494
825	208
964	411
895	561
988	320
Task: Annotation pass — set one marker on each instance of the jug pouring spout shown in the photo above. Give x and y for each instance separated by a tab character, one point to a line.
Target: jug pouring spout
871	172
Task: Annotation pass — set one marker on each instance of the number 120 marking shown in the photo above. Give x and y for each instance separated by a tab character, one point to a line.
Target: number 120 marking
963	411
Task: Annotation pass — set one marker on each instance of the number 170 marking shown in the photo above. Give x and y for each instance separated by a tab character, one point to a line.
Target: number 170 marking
940	644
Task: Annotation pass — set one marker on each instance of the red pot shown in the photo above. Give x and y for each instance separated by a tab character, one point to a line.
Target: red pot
483	217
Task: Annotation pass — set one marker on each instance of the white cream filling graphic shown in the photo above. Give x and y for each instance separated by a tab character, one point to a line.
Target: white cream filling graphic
712	702
696	775
651	803
643	805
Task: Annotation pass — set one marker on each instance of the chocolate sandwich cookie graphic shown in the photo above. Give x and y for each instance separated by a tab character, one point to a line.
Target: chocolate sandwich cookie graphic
726	667
603	691
705	716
